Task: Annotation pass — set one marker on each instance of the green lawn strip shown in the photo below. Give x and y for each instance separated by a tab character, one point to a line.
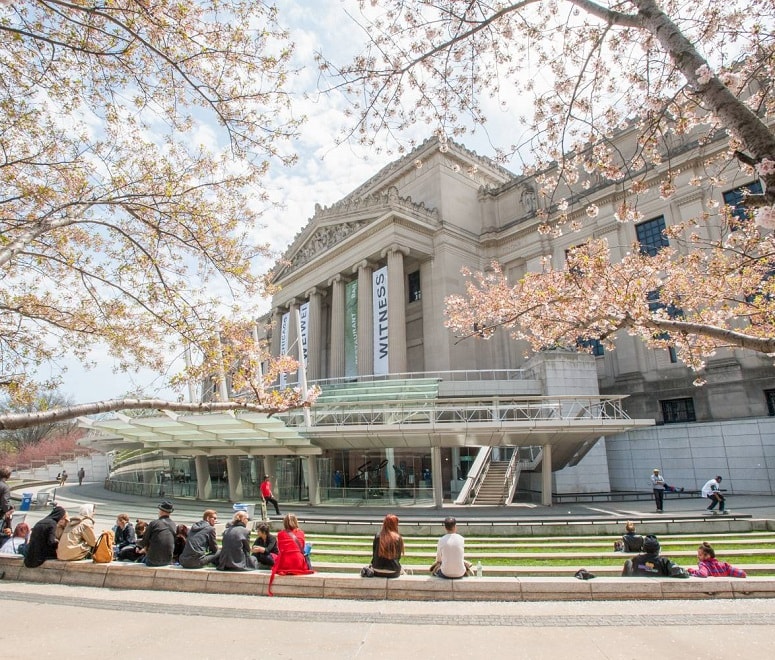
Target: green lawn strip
496	561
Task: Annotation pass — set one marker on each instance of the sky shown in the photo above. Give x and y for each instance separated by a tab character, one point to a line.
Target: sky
324	174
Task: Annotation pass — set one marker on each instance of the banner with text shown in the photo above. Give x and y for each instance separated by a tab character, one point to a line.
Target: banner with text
380	310
351	329
285	323
304	322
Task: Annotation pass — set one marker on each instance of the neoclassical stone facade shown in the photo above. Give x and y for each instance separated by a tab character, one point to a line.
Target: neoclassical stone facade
369	276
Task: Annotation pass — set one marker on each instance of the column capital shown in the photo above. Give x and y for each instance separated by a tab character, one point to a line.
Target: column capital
335	279
314	291
364	263
395	247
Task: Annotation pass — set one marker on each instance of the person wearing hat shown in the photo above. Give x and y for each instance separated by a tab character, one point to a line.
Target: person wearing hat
158	542
658	487
651	564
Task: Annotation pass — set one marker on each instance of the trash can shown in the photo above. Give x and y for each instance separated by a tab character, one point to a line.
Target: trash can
26	502
250	509
43	498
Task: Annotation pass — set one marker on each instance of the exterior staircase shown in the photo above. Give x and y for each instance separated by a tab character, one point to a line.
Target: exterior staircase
493	488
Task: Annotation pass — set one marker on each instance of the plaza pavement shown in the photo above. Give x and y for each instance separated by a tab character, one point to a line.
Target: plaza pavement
42	620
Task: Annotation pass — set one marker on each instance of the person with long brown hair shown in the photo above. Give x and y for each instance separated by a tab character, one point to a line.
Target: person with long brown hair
386	551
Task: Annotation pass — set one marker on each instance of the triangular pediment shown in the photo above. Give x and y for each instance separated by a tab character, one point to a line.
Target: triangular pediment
334	225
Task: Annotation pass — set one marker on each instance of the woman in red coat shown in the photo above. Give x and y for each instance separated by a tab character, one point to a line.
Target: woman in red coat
290	547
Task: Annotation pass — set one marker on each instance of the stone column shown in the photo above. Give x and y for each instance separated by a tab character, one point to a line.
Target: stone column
204	485
312	480
235	478
437	477
396	309
277	319
337	327
314	327
546	476
365	319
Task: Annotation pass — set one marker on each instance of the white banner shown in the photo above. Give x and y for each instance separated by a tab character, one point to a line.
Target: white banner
304	322
380	301
284	327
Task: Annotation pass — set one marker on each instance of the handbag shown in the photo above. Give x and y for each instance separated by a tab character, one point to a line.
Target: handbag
302	549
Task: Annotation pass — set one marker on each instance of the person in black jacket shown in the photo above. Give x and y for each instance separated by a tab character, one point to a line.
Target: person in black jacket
201	547
235	546
44	538
158	542
651	564
265	546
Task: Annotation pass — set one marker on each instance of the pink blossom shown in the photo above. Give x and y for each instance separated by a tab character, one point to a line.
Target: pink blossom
766	167
765	217
704	74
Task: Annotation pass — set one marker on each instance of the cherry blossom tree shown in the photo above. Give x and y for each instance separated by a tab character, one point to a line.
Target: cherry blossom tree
134	136
667	70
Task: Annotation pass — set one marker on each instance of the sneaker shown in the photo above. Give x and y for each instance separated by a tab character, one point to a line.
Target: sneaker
659	511
725	513
681	490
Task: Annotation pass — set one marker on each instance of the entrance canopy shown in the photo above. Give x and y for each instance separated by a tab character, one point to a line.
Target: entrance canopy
216	434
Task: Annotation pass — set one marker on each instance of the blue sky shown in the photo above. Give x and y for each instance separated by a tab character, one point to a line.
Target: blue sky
324	173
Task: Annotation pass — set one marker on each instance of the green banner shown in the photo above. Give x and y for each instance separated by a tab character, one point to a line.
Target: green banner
351	329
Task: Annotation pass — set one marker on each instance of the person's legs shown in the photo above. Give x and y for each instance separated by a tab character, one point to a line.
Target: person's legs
713	502
659	498
275	504
722	502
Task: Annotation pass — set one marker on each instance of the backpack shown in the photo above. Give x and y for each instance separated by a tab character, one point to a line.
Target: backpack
103	551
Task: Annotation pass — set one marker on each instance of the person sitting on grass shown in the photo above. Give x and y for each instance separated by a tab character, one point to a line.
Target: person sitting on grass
709	566
631	542
651	564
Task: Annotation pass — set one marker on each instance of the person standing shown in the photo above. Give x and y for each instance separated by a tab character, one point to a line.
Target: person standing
266	493
5	491
158	542
201	547
712	491
81	475
658	488
63	478
450	552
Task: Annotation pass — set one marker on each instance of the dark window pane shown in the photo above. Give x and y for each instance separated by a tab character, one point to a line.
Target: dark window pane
415	293
736	199
650	235
678	410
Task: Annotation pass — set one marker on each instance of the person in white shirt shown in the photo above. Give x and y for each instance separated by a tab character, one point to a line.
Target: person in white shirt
658	486
712	490
450	552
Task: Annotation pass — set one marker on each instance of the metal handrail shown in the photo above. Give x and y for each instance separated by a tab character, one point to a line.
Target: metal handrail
461	410
512	476
475	476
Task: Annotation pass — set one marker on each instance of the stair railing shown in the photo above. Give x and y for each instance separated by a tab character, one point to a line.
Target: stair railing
475	476
512	477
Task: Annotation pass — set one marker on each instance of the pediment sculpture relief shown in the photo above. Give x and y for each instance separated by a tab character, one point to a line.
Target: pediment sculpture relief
325	238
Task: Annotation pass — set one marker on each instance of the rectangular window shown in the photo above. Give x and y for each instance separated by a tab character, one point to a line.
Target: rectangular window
415	292
736	199
770	394
594	346
675	411
651	235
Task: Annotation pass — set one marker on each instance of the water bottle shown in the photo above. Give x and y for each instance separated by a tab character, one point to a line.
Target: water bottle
479	569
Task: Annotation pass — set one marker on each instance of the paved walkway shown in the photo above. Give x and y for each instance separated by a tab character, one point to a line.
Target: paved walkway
57	621
187	511
47	619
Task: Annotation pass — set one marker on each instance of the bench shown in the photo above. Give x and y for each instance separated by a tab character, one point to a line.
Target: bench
119	575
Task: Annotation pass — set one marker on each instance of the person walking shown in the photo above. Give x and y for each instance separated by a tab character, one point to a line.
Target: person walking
712	491
658	488
266	494
81	475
